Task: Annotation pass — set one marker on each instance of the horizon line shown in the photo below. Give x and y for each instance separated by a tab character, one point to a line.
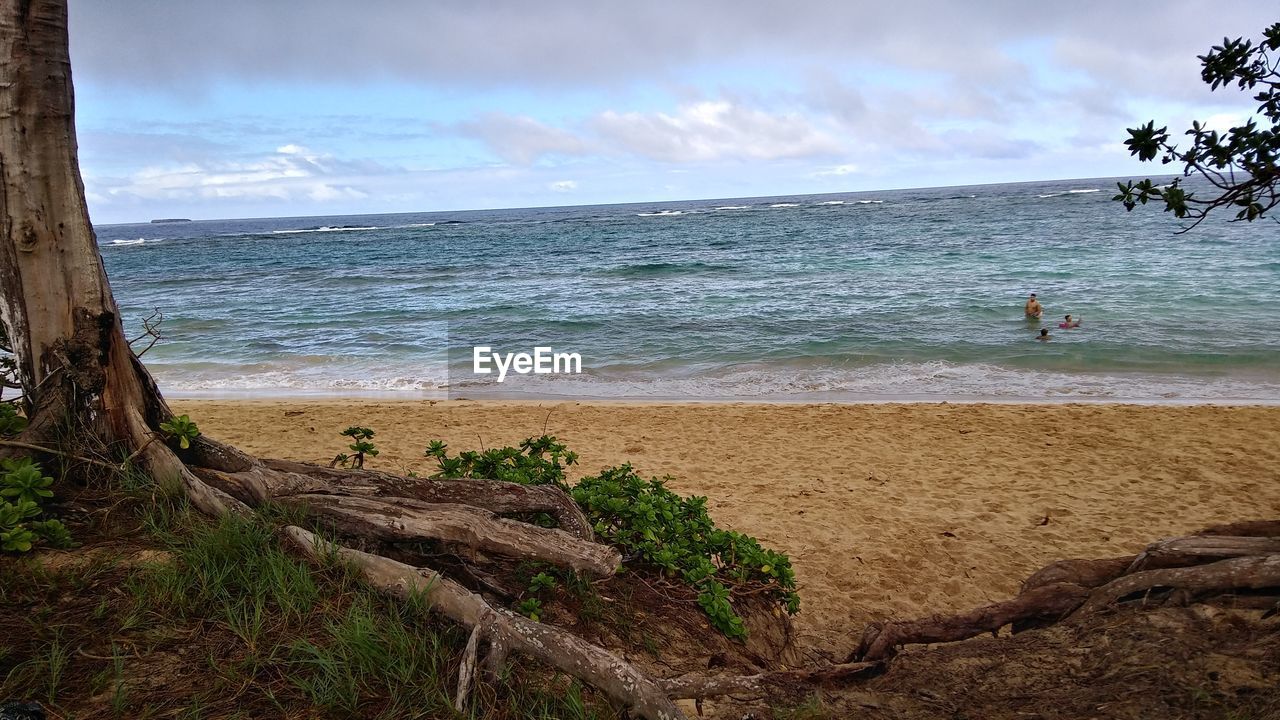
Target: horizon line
633	202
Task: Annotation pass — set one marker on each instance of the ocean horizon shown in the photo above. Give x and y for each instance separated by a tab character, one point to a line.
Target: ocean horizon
910	294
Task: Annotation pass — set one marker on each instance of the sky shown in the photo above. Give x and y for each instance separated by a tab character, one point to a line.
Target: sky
253	108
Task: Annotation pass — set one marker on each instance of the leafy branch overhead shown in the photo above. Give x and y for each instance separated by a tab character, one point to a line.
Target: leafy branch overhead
1240	164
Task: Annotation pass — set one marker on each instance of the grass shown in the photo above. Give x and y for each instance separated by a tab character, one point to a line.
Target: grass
222	622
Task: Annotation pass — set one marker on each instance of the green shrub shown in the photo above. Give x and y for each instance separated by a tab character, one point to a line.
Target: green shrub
180	428
540	461
11	423
652	526
360	445
23	486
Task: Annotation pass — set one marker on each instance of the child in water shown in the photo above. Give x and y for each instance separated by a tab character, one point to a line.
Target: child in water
1069	323
1044	334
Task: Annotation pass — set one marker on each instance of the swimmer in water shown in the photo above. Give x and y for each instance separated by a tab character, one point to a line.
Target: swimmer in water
1044	335
1069	323
1032	308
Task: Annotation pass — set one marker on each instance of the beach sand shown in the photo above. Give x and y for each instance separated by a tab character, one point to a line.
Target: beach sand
886	510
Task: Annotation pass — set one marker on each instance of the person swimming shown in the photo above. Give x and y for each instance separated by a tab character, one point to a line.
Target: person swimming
1044	335
1032	308
1069	323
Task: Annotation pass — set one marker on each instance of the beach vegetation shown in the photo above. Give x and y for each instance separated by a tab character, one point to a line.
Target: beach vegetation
1242	164
181	429
655	528
215	619
24	488
361	446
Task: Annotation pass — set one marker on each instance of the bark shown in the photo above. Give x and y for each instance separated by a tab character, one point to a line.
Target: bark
1086	573
1221	559
405	519
1253	573
1196	550
497	497
1050	602
615	677
704	686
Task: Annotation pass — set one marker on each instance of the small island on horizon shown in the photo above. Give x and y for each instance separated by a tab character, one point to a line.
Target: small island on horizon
169	220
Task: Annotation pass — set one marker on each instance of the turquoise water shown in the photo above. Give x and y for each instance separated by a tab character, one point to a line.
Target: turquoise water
895	294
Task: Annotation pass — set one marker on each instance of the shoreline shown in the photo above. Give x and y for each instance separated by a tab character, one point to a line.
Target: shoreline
886	509
304	396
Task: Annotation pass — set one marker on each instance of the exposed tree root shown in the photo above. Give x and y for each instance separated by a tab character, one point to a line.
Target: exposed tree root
703	686
615	677
1253	573
405	519
1240	556
1051	602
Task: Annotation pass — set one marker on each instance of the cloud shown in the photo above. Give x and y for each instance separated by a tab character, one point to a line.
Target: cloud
185	47
712	130
293	172
837	171
522	140
700	131
563	186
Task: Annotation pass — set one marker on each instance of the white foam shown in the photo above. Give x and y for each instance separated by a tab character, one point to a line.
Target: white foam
784	205
733	207
325	228
1081	191
139	241
832	202
926	380
661	213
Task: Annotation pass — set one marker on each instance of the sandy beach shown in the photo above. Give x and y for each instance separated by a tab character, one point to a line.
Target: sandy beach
885	510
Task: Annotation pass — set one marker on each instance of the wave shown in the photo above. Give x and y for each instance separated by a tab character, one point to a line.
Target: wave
733	207
831	202
923	381
784	205
661	213
1082	191
125	243
327	228
665	269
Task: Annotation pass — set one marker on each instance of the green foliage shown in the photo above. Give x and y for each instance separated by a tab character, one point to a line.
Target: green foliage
23	486
1242	164
23	480
542	582
651	525
530	608
540	461
360	445
11	423
180	428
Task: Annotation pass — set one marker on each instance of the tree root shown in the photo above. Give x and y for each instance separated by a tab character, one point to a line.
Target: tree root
615	677
1051	602
404	520
702	686
1213	561
1253	573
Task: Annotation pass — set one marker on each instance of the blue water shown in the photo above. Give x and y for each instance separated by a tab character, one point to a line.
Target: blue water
895	294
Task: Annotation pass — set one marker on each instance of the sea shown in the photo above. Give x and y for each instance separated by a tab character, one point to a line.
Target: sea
897	295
